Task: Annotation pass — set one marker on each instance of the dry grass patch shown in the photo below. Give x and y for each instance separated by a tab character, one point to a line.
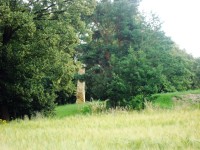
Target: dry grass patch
158	129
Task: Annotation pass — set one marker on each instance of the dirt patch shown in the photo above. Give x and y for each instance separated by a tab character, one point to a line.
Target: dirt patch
191	98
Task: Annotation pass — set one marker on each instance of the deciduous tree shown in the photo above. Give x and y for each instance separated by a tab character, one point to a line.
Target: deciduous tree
37	41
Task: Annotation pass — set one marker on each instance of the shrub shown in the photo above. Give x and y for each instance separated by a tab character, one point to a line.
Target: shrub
2	121
95	107
137	102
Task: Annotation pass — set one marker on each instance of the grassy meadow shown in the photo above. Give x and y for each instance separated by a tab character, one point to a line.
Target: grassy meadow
151	129
166	100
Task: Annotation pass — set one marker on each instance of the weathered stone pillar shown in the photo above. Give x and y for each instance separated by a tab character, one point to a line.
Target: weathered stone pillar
80	92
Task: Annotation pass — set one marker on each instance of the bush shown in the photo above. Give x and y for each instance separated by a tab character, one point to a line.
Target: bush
2	121
86	109
95	107
136	102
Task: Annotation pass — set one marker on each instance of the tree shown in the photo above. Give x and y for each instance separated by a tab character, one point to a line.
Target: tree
37	42
196	71
113	25
130	57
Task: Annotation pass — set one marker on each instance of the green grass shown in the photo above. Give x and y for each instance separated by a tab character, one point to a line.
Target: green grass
150	129
80	109
159	100
70	110
166	101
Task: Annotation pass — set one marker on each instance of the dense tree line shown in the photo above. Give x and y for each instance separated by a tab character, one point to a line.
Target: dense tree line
37	42
127	57
130	58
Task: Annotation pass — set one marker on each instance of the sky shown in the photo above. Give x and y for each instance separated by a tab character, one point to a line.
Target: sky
181	21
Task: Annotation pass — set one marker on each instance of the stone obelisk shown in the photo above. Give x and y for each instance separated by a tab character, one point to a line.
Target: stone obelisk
80	92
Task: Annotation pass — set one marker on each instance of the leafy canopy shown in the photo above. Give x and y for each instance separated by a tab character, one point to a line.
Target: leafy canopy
37	46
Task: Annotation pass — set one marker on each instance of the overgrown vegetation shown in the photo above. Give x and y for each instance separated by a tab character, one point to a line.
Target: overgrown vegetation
37	47
168	100
94	107
93	126
153	130
128	58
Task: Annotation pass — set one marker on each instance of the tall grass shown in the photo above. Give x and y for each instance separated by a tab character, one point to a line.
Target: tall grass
149	129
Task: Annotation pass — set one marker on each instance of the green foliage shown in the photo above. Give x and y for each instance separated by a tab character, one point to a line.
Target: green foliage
93	107
64	97
86	110
130	56
37	46
137	102
97	107
2	122
196	79
111	24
